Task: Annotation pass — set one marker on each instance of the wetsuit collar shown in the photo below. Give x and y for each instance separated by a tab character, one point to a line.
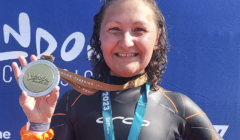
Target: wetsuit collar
122	80
129	96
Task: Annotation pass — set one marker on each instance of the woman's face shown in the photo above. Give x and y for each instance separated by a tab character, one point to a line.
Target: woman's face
128	37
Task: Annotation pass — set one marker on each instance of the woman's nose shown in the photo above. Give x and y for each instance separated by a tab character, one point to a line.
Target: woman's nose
126	40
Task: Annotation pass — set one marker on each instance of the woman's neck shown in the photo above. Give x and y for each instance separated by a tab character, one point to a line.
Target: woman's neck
115	80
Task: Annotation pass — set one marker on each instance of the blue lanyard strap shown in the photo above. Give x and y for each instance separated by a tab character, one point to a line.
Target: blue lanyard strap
137	119
107	116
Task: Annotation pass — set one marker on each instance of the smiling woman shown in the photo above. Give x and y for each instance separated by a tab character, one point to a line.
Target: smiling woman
128	36
129	28
129	40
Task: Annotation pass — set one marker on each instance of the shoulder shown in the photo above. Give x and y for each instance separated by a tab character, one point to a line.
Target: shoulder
178	102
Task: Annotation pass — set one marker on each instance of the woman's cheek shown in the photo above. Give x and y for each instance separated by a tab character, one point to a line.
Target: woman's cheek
112	38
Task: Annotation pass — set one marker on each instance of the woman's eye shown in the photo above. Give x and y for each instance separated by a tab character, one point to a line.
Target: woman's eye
114	29
139	30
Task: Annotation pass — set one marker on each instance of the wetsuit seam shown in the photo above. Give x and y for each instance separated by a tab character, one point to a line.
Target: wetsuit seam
184	125
68	94
170	126
170	100
181	117
68	113
57	126
168	108
184	106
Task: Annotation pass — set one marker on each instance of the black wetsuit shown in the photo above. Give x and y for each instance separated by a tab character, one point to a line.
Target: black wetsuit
169	116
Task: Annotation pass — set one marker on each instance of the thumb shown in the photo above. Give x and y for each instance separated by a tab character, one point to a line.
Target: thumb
24	98
52	99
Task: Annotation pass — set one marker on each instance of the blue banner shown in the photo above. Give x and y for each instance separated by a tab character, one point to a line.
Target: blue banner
203	62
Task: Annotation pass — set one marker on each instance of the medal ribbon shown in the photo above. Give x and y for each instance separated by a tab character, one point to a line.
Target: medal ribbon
137	119
89	86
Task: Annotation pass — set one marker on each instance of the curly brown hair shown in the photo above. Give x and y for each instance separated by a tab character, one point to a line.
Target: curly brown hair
157	64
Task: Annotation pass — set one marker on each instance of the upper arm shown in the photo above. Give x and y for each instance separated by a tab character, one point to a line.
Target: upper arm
198	126
195	125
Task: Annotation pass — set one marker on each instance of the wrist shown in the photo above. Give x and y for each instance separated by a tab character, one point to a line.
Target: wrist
27	135
37	127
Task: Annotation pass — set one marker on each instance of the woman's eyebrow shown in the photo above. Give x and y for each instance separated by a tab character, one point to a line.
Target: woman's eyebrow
119	22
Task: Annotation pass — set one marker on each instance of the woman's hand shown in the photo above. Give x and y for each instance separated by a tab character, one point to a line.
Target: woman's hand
37	109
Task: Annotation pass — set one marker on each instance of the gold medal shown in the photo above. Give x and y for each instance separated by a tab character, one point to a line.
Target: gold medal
39	78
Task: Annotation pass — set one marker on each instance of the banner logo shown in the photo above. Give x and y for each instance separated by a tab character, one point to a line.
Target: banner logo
124	120
221	129
5	135
24	40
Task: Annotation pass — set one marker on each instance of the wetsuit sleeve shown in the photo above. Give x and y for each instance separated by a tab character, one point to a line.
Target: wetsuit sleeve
197	124
60	121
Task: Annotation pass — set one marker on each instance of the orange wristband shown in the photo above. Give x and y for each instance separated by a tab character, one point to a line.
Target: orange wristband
29	136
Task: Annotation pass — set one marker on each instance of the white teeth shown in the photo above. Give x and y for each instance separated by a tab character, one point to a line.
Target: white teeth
129	54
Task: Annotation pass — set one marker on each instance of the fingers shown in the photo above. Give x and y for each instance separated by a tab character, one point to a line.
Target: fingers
23	61
33	58
16	70
52	99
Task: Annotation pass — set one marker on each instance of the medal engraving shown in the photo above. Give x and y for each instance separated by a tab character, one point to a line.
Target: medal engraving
39	78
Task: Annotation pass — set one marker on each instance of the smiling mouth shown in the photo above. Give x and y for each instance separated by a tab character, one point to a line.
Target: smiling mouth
126	54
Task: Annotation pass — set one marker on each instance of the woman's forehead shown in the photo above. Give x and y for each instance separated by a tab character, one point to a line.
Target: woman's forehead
128	11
